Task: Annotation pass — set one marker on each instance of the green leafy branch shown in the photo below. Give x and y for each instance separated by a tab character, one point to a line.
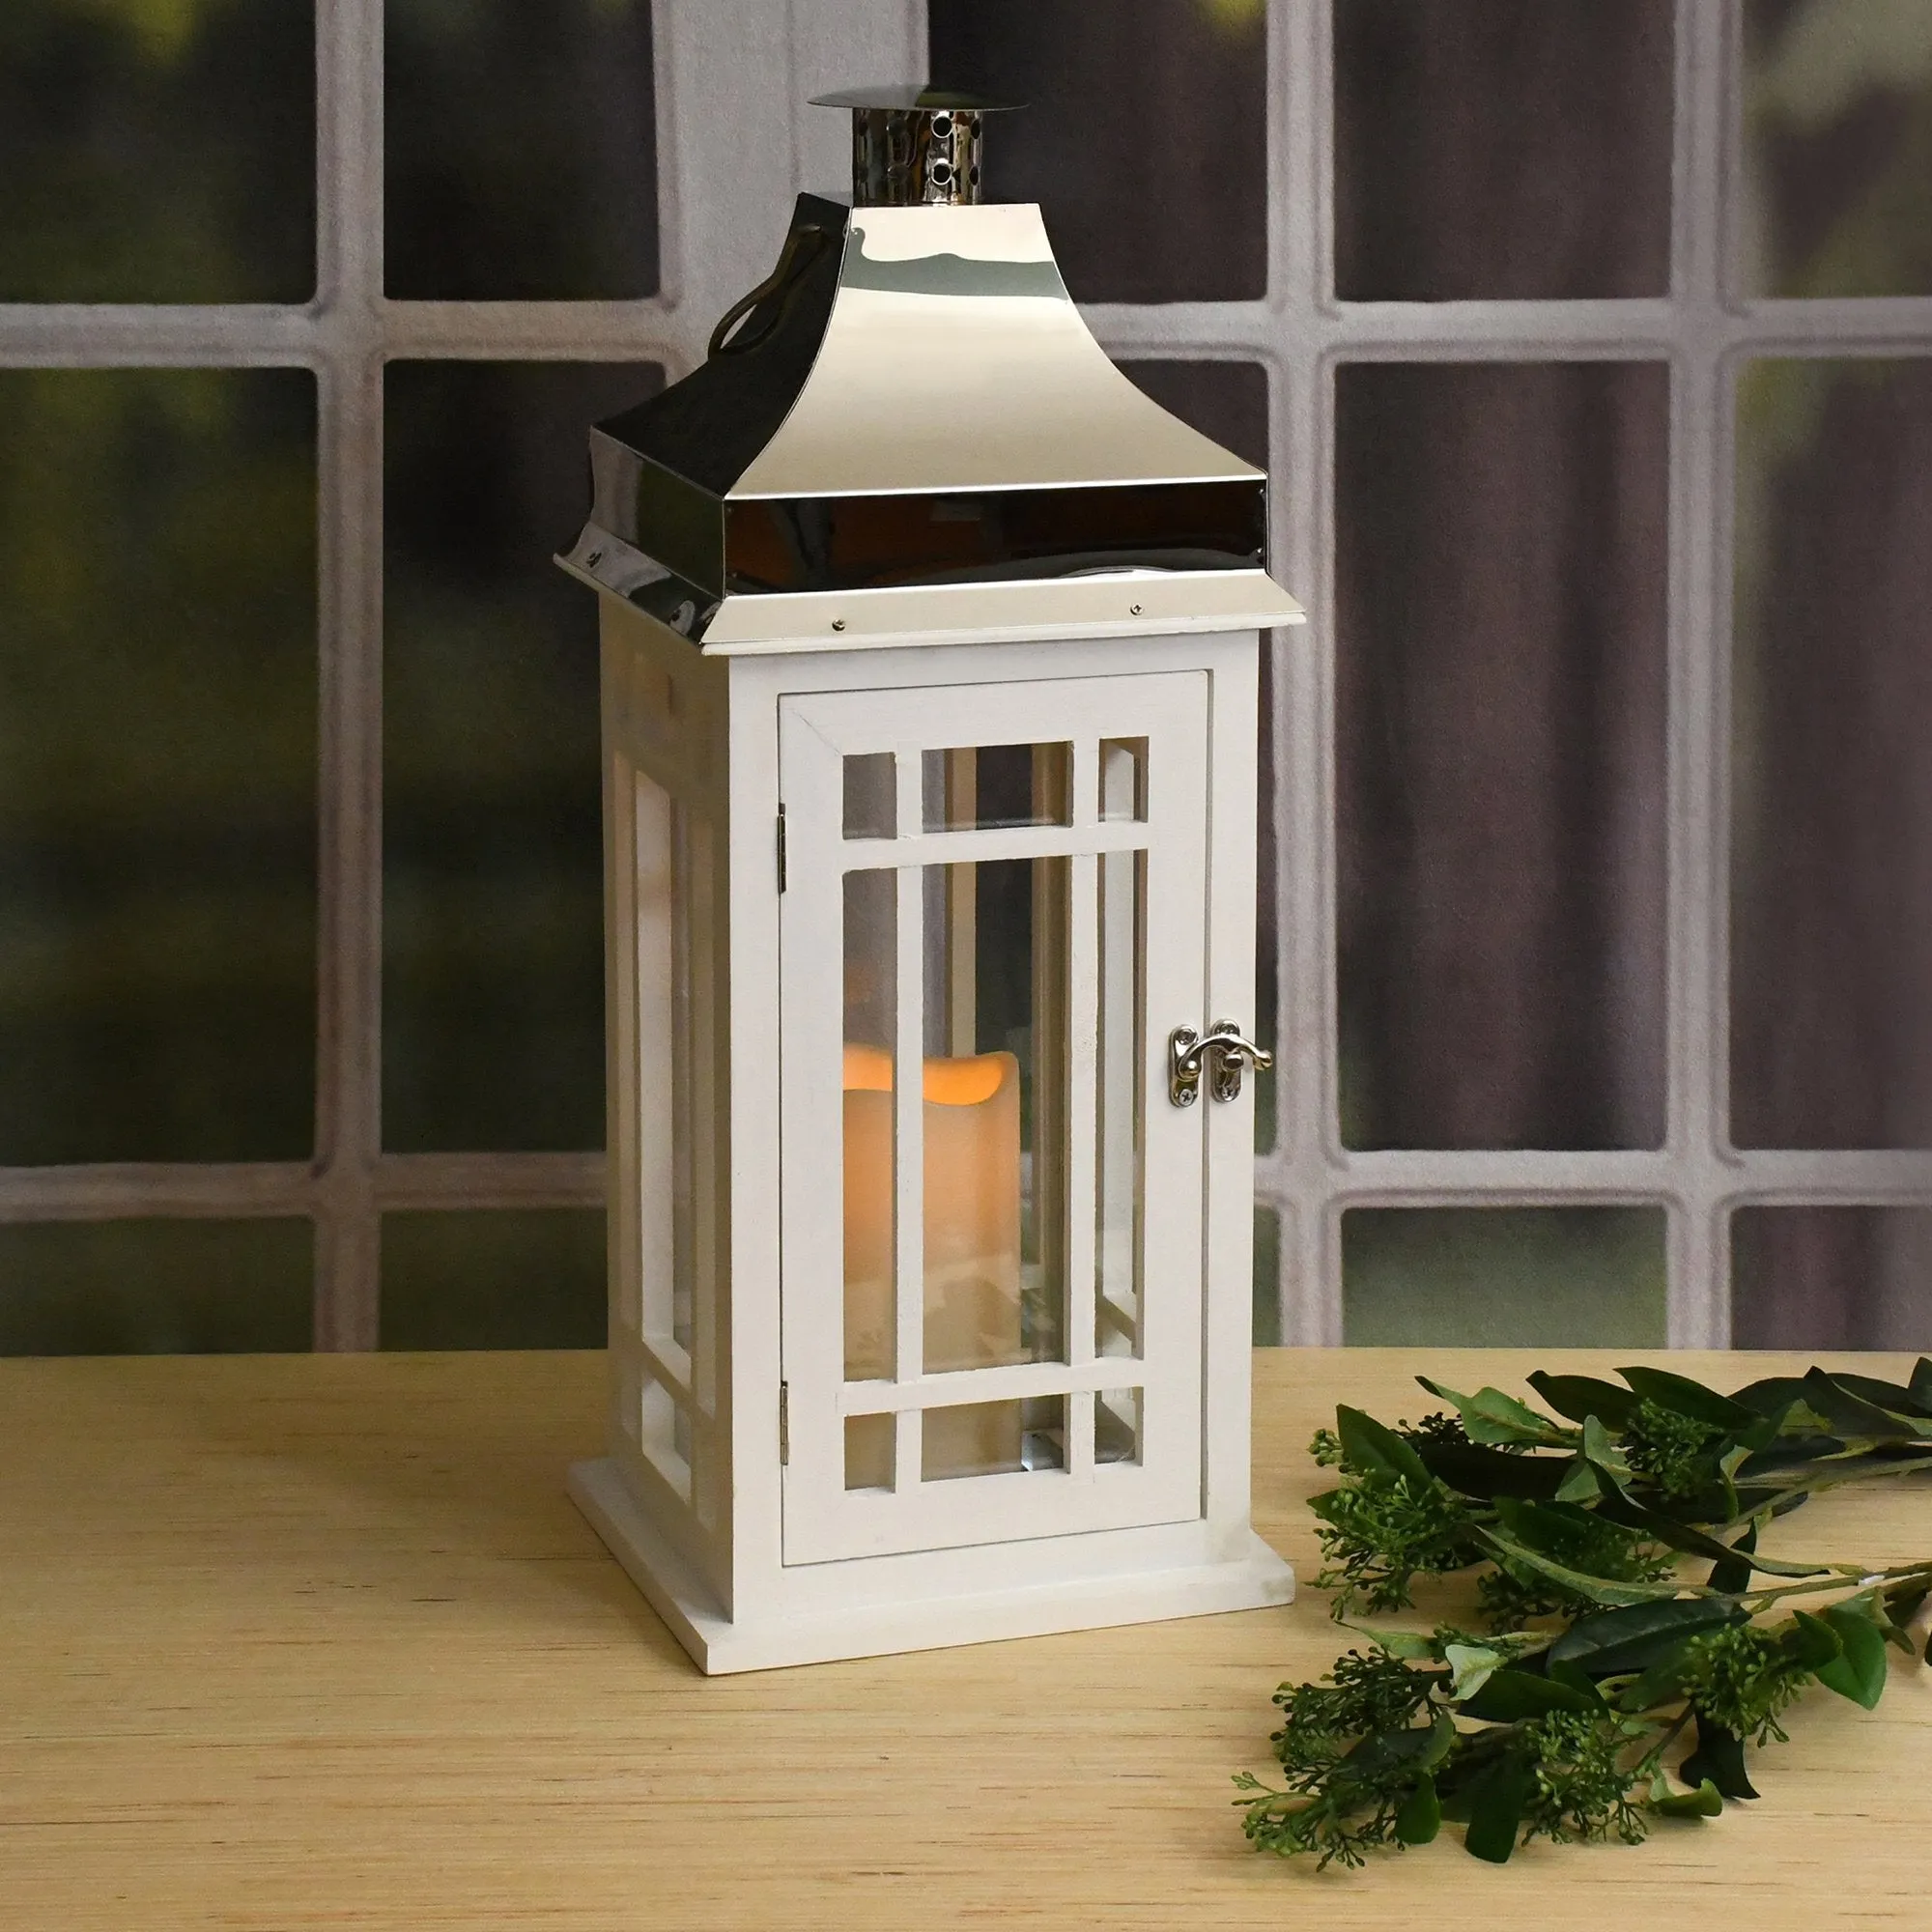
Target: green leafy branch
1601	1658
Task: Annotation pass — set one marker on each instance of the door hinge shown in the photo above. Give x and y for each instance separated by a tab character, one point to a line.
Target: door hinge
782	848
785	1424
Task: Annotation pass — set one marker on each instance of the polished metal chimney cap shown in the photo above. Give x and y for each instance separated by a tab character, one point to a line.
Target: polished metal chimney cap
908	434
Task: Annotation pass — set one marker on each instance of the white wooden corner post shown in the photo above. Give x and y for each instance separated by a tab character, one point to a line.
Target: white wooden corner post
930	708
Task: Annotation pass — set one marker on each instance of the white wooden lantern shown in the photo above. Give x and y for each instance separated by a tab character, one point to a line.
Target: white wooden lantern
930	667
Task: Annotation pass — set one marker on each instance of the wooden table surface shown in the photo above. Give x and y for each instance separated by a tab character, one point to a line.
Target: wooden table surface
293	1641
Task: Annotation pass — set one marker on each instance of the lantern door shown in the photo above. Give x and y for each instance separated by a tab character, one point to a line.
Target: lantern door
994	910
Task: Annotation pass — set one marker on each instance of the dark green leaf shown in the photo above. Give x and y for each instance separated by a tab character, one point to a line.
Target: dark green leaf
1380	1752
1851	1415
1766	1430
1706	1802
1472	1469
1369	1447
1900	1611
1496	1801
1720	1757
1693	1542
1580	1397
1812	1642
1421	1816
1731	1573
1552	1527
1509	1696
1564	1670
1633	1639
1687	1398
1789	1453
1774	1395
1860	1673
1920	1383
1893	1396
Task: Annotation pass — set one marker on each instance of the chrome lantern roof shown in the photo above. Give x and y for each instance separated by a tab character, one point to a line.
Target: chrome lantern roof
907	434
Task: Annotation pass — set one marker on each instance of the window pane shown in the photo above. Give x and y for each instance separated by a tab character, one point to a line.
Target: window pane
493	922
1501	642
521	149
493	1279
1228	401
157	716
156	1288
157	154
1831	807
1515	149
1836	163
1831	1278
1268	1278
1503	1277
1144	141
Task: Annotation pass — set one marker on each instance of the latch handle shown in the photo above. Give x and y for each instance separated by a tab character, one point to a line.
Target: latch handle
1226	1048
1223	1054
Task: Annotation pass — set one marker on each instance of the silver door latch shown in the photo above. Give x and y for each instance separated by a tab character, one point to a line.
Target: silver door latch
1223	1054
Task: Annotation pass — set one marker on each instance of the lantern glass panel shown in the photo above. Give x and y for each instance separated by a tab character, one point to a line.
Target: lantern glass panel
992	1438
871	795
871	1021
994	1118
675	881
1117	1055
1116	1425
869	1444
664	1433
987	787
1123	765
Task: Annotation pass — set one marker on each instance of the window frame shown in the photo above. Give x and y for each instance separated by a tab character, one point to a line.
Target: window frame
1704	331
723	66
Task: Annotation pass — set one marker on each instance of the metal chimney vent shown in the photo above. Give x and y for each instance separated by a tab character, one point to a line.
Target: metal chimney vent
915	147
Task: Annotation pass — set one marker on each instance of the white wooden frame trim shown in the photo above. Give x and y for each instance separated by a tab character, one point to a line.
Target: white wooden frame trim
724	65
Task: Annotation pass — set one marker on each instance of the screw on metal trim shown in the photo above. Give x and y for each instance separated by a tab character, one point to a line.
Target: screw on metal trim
1133	611
838	623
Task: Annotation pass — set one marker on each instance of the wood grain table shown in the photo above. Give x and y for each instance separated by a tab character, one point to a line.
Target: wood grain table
293	1642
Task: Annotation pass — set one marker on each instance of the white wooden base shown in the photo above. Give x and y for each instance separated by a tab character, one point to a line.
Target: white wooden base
719	1644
